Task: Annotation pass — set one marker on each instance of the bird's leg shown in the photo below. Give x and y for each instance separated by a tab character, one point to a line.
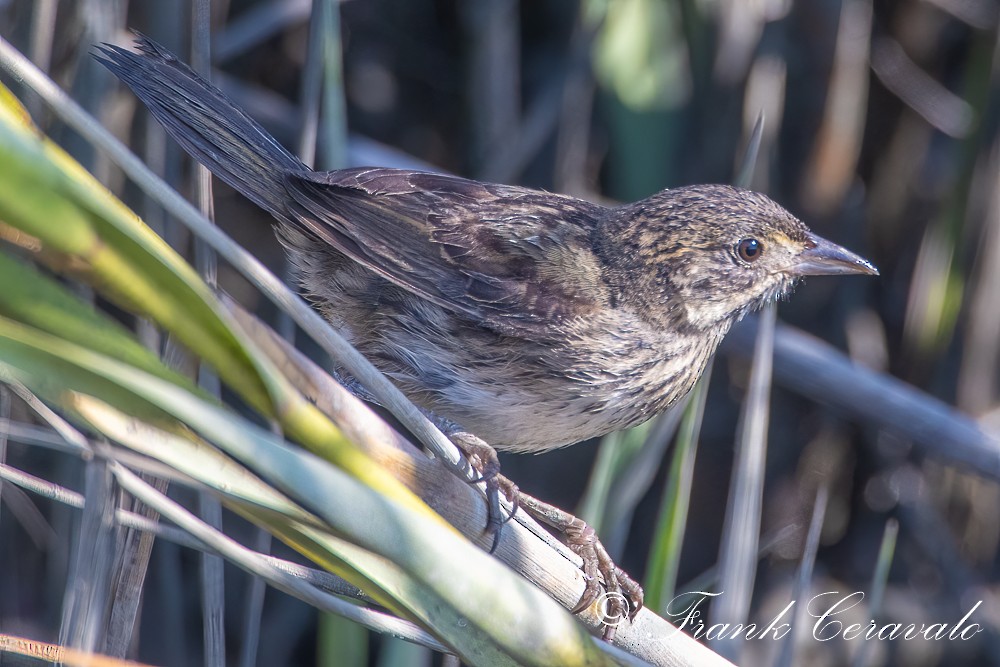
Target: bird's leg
482	457
623	595
484	460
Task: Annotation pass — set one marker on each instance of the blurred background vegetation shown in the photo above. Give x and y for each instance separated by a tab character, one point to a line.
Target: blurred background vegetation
881	132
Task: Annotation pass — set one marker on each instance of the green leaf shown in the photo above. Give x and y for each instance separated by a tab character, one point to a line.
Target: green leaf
48	196
37	300
475	603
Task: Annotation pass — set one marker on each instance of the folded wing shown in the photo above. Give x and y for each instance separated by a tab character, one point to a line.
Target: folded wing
516	260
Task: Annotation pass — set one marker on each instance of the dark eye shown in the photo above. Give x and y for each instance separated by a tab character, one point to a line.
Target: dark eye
749	250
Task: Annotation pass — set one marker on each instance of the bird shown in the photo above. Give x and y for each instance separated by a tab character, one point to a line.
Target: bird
531	319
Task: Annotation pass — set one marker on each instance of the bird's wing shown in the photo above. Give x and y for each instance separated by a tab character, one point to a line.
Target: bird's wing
513	259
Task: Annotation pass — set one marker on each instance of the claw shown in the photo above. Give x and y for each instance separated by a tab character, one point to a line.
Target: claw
621	596
633	591
484	461
494	522
512	493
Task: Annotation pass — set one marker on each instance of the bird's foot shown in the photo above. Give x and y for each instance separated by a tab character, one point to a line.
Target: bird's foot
484	461
622	596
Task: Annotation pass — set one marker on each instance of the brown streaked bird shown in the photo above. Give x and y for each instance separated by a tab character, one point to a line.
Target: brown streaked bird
530	319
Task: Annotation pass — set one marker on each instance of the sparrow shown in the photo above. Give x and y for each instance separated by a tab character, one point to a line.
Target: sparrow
530	319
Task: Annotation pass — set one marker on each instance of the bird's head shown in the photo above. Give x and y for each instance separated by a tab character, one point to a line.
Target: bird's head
706	255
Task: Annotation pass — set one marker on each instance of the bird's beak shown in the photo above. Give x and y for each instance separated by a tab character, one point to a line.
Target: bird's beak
823	258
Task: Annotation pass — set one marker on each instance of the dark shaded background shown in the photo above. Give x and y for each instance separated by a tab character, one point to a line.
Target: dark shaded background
880	132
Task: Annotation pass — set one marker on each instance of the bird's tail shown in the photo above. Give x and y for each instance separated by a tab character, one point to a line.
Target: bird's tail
205	122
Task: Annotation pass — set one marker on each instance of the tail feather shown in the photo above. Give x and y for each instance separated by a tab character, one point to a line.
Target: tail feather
206	123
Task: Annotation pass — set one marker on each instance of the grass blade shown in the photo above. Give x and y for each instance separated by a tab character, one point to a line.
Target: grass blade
668	538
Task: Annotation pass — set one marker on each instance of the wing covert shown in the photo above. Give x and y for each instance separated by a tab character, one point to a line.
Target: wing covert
511	258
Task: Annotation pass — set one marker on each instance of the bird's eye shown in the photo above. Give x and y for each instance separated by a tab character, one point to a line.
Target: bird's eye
749	250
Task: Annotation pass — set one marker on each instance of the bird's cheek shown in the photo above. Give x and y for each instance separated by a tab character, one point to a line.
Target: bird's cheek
745	283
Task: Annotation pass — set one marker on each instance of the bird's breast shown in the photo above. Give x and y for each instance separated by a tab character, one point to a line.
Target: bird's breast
584	383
